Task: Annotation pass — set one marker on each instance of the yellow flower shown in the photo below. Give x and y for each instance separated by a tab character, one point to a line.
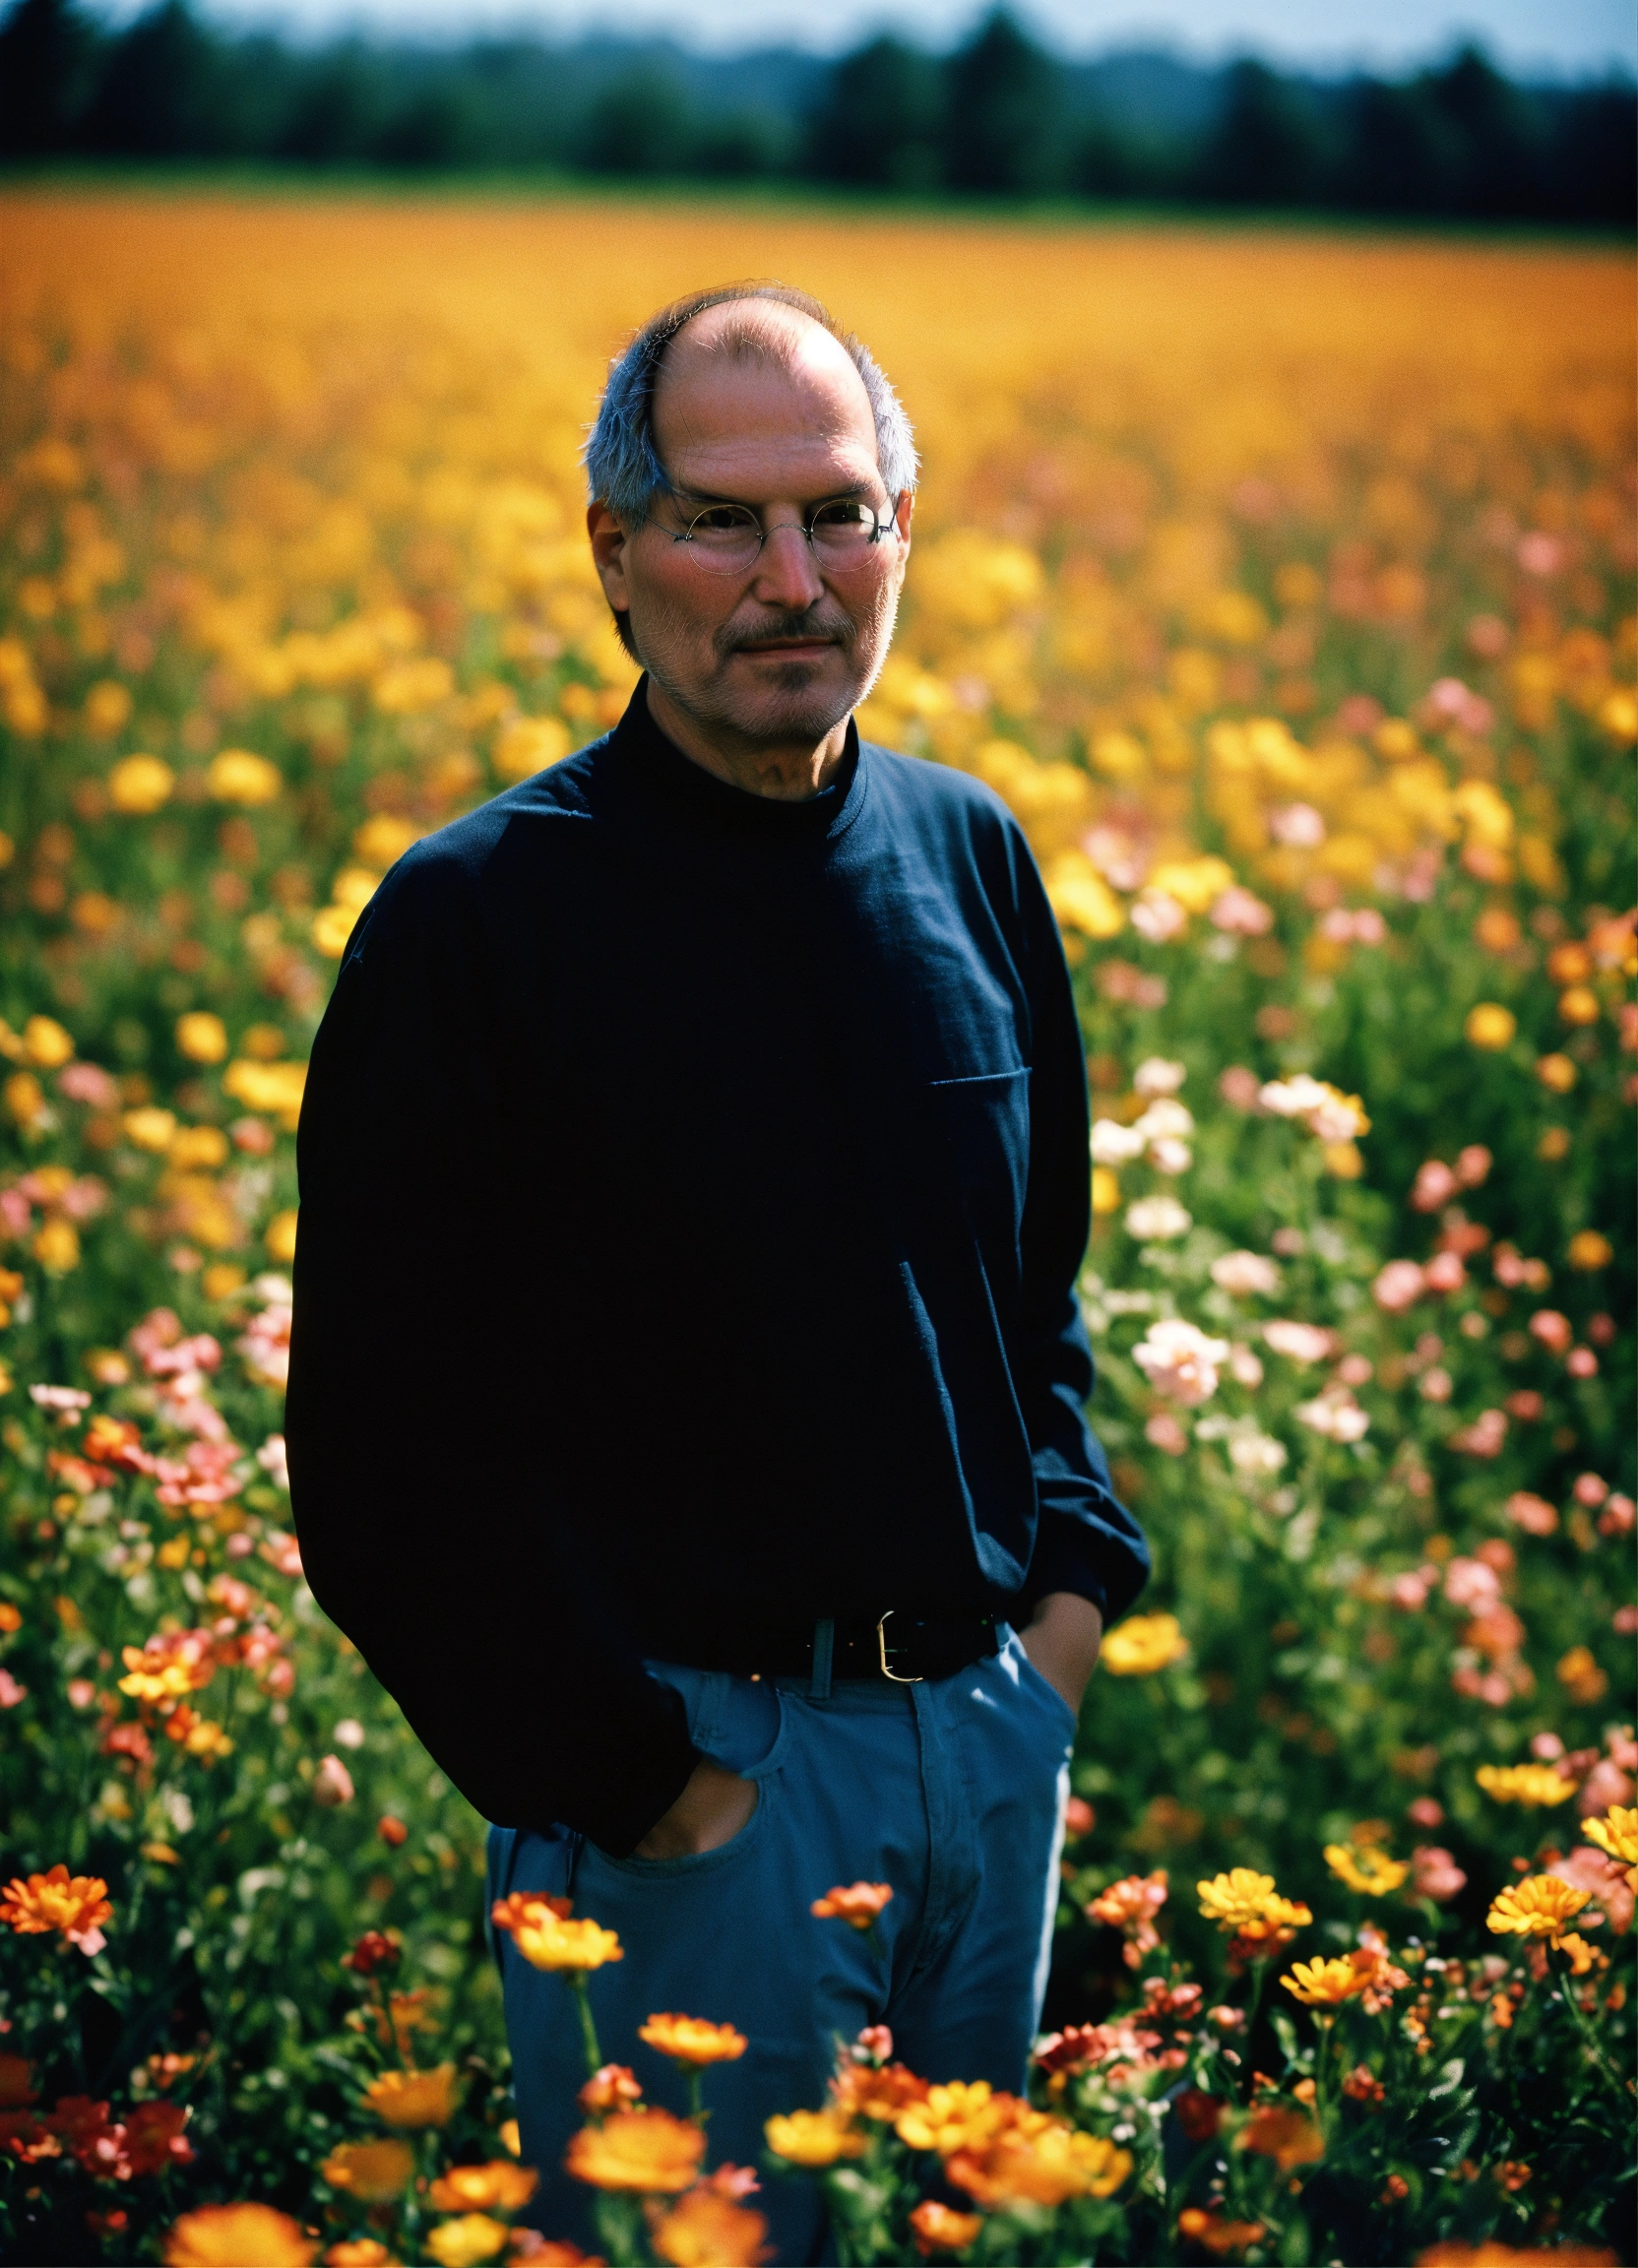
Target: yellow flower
207	1740
1537	1907
647	2149
1582	1955
1242	1900
1490	1026
1617	1833
25	1097
333	925
236	2237
691	2040
463	2243
201	1037
372	2172
1371	1872
499	2187
1035	2159
706	2230
1324	1984
1106	1198
1531	1785
1143	1644
1581	1678
385	839
279	1238
528	745
56	1245
140	784
149	1128
266	1085
963	2115
48	1046
812	2138
549	1939
238	777
414	2098
107	705
1586	1249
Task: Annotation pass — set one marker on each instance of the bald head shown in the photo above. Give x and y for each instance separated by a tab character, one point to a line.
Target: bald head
738	327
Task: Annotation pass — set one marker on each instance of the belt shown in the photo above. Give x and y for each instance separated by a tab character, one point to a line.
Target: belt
900	1647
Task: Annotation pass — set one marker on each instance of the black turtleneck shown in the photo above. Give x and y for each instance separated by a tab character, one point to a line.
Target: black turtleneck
693	1190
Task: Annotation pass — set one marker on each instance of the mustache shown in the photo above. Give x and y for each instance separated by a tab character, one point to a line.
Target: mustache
776	629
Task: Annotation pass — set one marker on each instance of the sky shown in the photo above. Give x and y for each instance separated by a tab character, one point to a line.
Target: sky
1556	38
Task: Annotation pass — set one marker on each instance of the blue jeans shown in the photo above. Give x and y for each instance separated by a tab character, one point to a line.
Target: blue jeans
952	1791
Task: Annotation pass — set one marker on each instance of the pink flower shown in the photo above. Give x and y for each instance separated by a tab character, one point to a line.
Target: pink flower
1241	913
1527	1405
1164	1432
68	1397
1445	1273
11	1692
1335	1415
1243	1367
1434	1185
1245	1273
272	1459
1239	1088
1540	553
1180	1361
1624	1621
1551	1329
331	1783
1410	1591
1425	1811
80	1692
1605	1785
1157	916
1473	1165
282	1553
1589	1491
1589	1870
1400	1285
88	1083
1616	1518
1547	1747
1299	826
1471	1583
1533	1514
1435	1873
1435	1385
1484	1438
1581	1363
1301	1341
1355	1370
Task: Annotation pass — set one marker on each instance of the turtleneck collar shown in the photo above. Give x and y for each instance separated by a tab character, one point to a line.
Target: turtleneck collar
659	771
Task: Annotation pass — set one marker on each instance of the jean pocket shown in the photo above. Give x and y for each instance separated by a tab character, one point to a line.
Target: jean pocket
1029	1679
694	1863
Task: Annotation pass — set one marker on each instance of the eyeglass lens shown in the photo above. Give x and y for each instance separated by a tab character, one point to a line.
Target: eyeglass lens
726	537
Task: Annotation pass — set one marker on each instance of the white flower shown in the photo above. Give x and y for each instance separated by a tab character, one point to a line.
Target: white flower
59	1398
1163	1120
1337	1417
1114	1144
270	1458
1156	1220
1168	1157
1245	1367
1302	1342
1257	1455
1337	1118
1292	1097
348	1734
1243	1273
1156	1076
1180	1361
1157	916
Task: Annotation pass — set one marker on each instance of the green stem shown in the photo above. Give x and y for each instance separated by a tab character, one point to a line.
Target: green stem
576	1981
695	2078
1568	1983
1324	2026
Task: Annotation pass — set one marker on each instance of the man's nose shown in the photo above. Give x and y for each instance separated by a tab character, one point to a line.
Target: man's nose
785	573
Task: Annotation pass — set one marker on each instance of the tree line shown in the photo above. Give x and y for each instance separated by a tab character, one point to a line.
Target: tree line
998	117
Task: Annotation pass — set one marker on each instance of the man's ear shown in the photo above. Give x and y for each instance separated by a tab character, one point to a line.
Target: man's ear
902	518
609	555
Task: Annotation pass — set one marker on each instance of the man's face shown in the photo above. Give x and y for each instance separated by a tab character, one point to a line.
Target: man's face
782	651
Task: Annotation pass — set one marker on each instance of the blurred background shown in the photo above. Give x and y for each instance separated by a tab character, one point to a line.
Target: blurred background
1513	113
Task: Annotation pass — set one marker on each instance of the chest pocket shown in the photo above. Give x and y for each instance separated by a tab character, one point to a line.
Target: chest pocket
977	1135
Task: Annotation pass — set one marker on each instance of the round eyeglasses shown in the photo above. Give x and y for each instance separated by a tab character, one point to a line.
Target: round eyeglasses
726	538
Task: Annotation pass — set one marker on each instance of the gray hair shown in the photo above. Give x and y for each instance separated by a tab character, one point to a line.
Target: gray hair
622	467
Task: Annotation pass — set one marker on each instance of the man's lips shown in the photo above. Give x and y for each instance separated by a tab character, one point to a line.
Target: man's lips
787	646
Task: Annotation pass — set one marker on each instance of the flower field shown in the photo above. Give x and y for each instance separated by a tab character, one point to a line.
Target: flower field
1284	587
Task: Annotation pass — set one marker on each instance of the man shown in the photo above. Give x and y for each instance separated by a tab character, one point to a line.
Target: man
687	1380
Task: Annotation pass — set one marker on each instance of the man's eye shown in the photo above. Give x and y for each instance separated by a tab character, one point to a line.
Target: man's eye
845	513
723	519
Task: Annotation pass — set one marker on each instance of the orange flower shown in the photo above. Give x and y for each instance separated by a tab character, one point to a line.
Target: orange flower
1131	1905
78	1907
706	2230
637	2150
173	1663
1038	2161
1289	2137
610	2088
812	2138
1488	2253
236	2237
1538	1907
497	2187
546	1938
414	2098
465	2243
691	2040
358	2252
1224	2239
858	1903
372	2172
965	2114
863	2091
936	2229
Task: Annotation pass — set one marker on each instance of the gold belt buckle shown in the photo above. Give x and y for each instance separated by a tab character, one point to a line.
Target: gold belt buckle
881	1643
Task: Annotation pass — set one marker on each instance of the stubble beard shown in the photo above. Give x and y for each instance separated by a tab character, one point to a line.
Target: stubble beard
789	702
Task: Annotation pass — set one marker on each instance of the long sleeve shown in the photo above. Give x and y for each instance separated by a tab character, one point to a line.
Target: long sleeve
1087	1542
420	1418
